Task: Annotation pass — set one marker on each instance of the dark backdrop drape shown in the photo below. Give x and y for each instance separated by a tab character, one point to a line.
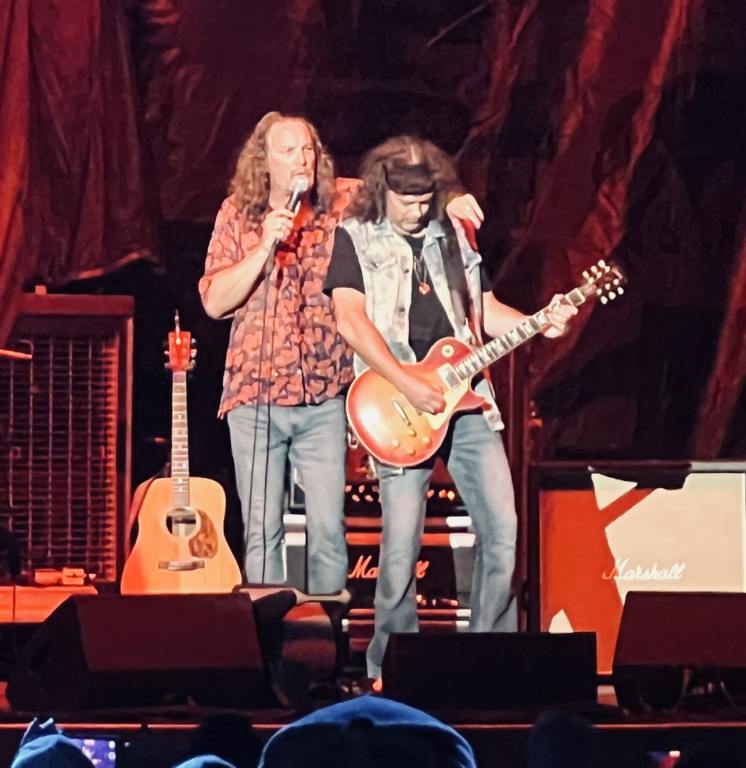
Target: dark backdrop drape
14	127
588	128
73	157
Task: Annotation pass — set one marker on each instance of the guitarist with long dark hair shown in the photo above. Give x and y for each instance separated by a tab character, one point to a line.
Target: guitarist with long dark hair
402	276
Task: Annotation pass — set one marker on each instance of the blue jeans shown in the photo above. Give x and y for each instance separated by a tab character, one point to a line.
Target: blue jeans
314	437
477	463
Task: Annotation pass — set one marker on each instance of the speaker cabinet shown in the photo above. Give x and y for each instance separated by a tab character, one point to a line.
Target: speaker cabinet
679	647
65	432
116	651
490	670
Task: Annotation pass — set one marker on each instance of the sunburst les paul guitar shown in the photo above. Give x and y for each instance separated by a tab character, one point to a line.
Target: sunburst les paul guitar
180	547
393	431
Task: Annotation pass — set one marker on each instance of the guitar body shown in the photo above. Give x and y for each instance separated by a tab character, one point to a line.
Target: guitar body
181	557
389	427
387	424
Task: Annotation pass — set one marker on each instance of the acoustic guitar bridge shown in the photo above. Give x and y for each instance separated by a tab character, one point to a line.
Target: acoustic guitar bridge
181	565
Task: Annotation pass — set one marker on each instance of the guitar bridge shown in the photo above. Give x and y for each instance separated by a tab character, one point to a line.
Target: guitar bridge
181	565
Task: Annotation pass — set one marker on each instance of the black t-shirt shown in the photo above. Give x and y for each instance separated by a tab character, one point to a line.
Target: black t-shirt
428	321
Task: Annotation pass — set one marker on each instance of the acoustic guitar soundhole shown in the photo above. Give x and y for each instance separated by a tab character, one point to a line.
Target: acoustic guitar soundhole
195	525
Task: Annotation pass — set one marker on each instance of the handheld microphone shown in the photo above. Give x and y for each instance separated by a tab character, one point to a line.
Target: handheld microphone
298	187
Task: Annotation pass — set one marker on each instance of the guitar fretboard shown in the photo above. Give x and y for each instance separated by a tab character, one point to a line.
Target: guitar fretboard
179	440
484	356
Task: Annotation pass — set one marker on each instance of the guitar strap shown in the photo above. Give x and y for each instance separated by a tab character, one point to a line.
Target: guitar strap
453	266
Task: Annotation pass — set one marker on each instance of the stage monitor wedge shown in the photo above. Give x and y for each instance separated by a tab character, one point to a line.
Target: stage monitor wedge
104	651
490	670
676	649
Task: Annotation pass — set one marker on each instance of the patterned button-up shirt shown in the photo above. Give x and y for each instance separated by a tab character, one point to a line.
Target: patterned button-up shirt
303	359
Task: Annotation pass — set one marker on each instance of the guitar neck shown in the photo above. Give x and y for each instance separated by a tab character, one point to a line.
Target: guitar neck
482	357
179	440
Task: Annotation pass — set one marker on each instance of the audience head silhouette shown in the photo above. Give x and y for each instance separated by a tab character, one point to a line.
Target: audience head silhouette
560	740
229	736
205	761
366	732
43	746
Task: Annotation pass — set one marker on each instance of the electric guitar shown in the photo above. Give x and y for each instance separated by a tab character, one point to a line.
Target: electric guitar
393	431
180	547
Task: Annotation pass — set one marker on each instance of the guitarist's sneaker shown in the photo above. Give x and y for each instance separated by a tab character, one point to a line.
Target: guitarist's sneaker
366	686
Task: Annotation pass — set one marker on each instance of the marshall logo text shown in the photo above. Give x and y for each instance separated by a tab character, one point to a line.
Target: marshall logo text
364	570
623	571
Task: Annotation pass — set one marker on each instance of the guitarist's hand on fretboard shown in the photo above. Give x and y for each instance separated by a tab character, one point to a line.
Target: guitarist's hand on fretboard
559	314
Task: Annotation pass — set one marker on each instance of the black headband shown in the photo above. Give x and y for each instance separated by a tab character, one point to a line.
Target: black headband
403	179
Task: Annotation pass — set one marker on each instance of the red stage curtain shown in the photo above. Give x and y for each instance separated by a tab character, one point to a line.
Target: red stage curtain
88	209
71	139
588	129
608	132
209	70
718	411
14	119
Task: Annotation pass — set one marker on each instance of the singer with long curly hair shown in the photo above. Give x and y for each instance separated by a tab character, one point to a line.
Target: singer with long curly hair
286	366
250	183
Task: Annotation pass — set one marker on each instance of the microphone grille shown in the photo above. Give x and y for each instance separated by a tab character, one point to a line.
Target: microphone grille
300	184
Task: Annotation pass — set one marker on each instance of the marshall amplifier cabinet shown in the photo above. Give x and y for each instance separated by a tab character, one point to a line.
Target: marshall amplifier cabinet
443	576
445	564
598	532
443	570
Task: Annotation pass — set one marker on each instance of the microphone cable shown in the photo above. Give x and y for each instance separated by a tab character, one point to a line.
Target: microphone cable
299	186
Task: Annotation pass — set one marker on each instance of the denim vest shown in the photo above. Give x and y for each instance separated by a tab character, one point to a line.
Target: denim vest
386	262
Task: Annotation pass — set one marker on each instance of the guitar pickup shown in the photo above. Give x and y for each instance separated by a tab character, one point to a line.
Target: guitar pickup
449	376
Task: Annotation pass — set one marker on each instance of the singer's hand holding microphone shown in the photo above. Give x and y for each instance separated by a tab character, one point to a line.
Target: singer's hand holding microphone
278	224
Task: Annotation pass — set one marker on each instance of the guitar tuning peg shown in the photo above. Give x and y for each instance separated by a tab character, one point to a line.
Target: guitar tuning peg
602	263
595	269
585	274
619	291
604	300
612	295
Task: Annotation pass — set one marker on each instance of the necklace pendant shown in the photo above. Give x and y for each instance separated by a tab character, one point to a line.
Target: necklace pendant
424	288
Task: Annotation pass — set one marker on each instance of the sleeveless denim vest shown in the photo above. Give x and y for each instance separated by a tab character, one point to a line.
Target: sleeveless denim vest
386	262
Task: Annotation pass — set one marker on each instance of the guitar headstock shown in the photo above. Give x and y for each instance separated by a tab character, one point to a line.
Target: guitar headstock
605	280
181	351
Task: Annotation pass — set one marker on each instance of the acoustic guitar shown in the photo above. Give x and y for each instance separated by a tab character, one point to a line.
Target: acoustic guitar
180	547
393	431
